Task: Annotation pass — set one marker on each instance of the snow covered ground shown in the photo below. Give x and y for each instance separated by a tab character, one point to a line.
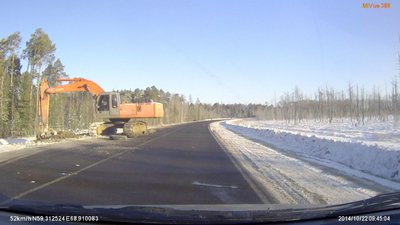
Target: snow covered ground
15	141
373	148
13	144
297	168
9	144
386	134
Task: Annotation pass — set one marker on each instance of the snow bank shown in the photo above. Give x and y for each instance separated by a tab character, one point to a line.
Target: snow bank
373	132
11	144
290	179
15	141
359	148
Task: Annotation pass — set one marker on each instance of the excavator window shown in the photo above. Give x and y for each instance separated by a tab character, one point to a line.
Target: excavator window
114	101
104	103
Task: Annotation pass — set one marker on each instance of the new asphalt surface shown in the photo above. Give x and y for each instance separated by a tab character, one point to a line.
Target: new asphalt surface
181	164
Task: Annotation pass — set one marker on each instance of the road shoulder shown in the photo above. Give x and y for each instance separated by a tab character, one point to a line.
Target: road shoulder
287	178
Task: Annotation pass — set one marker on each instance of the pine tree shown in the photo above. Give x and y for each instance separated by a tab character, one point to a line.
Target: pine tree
40	52
26	108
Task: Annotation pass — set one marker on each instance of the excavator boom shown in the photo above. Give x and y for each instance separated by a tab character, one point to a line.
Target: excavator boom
75	85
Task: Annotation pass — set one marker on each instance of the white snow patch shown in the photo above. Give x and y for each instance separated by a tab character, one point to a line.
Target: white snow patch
11	144
290	178
373	148
385	134
15	141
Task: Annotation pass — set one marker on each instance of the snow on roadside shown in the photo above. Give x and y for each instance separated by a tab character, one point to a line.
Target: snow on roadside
10	144
289	179
358	154
14	141
374	132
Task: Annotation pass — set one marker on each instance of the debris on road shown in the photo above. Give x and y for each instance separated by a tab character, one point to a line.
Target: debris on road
60	135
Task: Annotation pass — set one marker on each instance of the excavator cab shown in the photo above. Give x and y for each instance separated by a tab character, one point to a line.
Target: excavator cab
107	105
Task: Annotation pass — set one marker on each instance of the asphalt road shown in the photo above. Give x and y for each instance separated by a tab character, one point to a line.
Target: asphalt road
177	165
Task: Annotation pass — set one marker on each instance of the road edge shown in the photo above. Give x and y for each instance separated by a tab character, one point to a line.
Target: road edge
257	187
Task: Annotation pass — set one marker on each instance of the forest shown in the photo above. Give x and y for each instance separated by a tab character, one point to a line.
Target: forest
74	111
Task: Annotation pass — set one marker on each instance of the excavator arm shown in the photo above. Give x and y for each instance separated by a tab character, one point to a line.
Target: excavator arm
74	85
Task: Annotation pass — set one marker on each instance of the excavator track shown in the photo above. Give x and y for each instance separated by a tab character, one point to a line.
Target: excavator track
131	129
102	128
135	128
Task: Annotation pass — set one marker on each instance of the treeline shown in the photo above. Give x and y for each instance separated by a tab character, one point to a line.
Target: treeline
19	93
356	103
178	108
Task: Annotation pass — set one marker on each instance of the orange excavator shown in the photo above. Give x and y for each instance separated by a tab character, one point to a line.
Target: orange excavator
108	107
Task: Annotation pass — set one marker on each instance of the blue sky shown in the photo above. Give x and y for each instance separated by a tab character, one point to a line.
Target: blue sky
217	51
